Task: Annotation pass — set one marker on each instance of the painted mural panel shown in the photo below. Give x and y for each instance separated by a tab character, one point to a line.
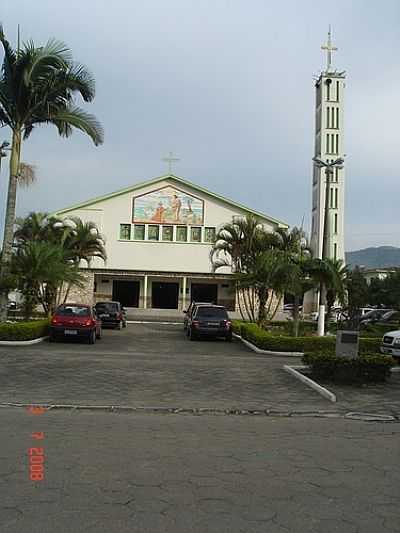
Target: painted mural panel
168	206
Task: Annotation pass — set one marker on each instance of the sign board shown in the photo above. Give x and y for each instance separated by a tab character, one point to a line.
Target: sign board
347	344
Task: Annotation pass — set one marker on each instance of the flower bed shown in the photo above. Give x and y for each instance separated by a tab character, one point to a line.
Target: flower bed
24	331
265	340
363	369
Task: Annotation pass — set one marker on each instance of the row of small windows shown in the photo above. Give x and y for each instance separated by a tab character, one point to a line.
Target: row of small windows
330	96
332	117
332	143
158	232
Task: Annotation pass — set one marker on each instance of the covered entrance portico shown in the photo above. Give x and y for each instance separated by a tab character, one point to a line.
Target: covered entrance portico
161	290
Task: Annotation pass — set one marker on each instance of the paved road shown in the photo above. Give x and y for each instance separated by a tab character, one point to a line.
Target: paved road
107	472
154	365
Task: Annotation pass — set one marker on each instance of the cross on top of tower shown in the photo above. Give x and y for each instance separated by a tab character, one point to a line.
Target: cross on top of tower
329	49
170	159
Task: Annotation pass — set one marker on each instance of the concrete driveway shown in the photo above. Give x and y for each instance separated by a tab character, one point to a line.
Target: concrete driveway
150	365
155	365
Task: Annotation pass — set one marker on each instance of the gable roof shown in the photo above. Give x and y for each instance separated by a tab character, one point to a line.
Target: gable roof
178	180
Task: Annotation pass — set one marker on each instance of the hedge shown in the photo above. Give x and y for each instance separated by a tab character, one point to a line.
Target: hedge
24	331
283	343
363	369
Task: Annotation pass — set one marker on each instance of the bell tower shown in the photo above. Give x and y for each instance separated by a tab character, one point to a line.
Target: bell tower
328	178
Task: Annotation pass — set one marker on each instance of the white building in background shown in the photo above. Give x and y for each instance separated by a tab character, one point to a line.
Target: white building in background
328	146
158	236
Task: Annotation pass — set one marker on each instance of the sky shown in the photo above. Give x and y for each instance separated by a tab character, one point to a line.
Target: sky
227	85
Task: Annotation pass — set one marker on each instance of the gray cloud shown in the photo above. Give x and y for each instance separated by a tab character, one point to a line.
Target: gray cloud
228	86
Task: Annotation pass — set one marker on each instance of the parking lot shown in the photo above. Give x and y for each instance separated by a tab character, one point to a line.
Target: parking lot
155	365
150	365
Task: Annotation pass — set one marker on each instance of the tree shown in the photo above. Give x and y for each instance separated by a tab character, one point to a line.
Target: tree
70	241
357	294
38	86
260	261
336	274
41	268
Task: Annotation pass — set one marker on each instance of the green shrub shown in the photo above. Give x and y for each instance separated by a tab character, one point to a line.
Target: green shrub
281	343
377	330
266	340
362	369
370	345
24	331
236	325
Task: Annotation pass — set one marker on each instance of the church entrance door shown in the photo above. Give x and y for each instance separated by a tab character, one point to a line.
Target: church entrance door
204	292
164	295
126	292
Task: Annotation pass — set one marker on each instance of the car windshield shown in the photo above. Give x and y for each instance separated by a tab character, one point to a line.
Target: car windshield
212	312
73	310
107	307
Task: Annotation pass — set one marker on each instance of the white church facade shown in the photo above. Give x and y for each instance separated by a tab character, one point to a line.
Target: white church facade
158	237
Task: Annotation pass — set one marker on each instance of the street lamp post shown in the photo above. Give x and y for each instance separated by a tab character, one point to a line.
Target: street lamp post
338	163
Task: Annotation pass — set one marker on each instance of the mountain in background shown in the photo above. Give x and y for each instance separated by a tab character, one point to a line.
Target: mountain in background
381	256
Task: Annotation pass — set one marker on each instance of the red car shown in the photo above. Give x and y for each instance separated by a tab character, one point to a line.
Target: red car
76	321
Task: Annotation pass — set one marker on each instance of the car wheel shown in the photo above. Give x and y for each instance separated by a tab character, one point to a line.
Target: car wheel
92	337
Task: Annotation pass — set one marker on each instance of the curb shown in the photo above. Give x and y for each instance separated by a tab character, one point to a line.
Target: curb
23	343
198	411
294	371
267	352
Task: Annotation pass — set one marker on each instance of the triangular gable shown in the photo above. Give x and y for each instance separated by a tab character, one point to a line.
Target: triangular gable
178	180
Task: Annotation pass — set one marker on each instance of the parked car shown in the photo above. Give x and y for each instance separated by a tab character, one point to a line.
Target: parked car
189	311
373	316
391	344
210	321
76	321
391	317
111	314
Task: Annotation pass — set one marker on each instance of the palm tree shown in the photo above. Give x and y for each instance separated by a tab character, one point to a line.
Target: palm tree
331	274
255	258
37	86
41	269
83	241
235	247
80	241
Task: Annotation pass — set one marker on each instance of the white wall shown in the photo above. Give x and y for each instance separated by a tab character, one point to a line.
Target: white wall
151	255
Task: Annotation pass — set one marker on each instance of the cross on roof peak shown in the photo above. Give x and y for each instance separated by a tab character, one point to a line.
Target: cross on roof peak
170	159
329	49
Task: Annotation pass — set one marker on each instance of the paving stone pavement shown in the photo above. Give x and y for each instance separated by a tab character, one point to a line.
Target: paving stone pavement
107	472
156	365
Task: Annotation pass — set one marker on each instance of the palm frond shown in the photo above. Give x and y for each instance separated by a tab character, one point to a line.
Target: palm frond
26	174
54	55
74	117
79	79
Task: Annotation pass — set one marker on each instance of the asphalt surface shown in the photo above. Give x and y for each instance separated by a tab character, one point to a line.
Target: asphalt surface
108	472
133	471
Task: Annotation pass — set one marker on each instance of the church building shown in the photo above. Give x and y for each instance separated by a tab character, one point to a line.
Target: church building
158	237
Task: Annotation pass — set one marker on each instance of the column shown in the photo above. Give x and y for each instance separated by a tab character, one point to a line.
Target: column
145	292
184	284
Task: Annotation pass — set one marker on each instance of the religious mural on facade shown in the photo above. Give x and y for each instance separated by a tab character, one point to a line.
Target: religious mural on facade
168	206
